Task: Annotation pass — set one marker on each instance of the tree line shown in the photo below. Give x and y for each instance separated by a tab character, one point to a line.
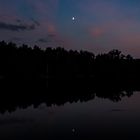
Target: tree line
26	62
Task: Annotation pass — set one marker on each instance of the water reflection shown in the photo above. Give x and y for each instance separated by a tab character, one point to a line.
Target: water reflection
94	119
21	94
71	110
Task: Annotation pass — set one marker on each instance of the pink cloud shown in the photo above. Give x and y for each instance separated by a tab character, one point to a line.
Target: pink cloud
48	27
96	32
51	28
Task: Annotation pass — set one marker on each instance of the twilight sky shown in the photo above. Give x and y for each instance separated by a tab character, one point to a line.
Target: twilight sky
99	25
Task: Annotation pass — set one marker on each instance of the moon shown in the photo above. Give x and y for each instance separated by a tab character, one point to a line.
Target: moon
73	18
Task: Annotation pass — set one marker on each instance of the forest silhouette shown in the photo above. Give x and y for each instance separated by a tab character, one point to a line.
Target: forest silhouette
34	63
31	76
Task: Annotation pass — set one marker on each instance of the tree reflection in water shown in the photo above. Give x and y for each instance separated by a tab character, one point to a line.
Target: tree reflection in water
56	92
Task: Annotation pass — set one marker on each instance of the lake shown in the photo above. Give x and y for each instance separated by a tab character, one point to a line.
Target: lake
98	118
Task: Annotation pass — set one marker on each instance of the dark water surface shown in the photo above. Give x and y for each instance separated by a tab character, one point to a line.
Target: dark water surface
94	119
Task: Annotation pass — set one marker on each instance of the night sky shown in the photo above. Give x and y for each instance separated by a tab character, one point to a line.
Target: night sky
93	25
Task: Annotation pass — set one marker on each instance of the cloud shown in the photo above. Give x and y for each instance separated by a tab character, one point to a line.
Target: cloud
16	39
35	22
49	27
18	21
43	40
16	27
49	39
96	32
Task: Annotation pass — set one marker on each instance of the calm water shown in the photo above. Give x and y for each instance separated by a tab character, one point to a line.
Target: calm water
94	119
